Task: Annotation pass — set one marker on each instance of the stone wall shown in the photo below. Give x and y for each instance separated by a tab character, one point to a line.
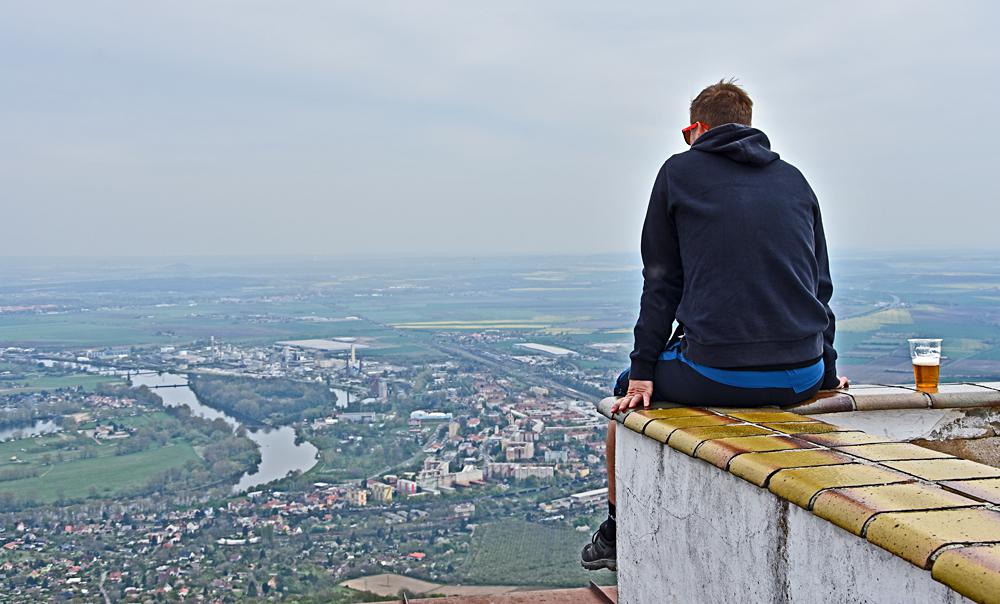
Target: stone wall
689	532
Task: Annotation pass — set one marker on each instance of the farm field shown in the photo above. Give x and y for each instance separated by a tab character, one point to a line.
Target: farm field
515	552
52	382
401	311
108	474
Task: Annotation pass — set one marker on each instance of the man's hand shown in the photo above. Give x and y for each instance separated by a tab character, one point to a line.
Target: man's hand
844	383
639	391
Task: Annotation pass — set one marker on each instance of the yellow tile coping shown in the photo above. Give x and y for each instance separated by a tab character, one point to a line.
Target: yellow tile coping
944	469
851	507
757	416
924	506
982	489
838	439
758	467
972	571
810	427
661	429
636	422
915	536
638	418
686	440
719	452
800	485
673	412
892	452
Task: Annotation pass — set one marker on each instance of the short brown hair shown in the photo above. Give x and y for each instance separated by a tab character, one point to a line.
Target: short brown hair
722	103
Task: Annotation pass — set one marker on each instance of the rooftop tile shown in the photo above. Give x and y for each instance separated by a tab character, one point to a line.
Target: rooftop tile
686	440
810	427
984	489
800	485
849	437
758	467
972	571
719	452
964	395
660	429
892	451
850	508
915	536
944	469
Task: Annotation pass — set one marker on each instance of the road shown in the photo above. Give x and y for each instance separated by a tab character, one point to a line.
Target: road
100	586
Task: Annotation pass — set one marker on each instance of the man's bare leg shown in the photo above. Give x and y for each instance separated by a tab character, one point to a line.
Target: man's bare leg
601	551
610	454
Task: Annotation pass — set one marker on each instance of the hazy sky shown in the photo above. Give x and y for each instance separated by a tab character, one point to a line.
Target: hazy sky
474	128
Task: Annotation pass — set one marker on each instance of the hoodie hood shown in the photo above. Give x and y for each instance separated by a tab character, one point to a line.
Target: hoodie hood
739	143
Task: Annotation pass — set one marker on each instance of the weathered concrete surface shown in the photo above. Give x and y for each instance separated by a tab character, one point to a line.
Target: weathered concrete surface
896	424
929	424
970	433
687	528
984	450
828	564
688	532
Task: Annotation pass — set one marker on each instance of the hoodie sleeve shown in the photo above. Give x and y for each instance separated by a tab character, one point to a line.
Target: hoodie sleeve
662	282
824	291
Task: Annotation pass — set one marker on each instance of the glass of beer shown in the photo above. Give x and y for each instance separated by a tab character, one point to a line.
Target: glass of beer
926	356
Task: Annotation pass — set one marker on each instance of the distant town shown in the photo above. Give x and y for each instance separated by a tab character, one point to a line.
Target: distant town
483	447
331	431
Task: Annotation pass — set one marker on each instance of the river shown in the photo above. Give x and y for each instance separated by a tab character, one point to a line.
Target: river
279	454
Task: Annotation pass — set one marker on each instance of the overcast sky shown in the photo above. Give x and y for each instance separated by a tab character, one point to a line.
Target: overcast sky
474	128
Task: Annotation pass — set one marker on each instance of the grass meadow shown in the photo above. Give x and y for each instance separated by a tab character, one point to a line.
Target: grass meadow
516	552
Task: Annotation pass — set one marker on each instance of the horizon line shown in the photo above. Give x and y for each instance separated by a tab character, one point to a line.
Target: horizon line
414	254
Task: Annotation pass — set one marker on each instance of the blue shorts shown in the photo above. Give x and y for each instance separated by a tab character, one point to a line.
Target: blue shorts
678	379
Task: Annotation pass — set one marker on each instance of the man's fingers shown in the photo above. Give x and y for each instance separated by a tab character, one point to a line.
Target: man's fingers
631	400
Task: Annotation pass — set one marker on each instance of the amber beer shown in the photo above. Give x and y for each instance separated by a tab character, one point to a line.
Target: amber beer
926	356
926	373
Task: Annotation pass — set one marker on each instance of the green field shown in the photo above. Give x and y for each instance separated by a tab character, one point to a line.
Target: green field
515	552
875	320
36	383
107	474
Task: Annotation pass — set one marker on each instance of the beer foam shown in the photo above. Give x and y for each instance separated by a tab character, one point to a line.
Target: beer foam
927	361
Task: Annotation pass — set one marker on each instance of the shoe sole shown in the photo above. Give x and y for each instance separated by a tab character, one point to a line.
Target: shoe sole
608	563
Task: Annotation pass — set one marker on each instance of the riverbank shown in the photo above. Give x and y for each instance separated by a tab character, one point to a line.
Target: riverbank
144	449
280	454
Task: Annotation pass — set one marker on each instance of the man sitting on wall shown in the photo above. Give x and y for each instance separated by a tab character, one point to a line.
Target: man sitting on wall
733	250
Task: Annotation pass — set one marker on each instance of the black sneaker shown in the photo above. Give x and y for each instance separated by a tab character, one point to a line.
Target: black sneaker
599	553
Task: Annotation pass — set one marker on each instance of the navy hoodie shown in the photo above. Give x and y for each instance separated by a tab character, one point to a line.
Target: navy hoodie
733	249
